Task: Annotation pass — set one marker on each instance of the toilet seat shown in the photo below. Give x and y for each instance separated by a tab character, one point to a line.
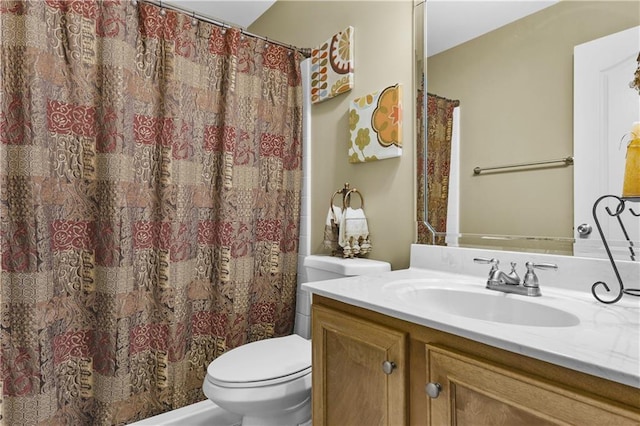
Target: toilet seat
262	363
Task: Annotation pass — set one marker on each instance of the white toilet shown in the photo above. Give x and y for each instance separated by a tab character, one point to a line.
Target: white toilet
268	382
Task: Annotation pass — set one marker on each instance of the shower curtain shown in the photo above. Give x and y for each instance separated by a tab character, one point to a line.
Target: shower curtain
151	175
434	165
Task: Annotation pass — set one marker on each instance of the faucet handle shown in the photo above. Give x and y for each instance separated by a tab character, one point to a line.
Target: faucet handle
530	278
485	260
494	266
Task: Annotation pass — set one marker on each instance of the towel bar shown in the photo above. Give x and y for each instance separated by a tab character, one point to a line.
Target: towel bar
567	162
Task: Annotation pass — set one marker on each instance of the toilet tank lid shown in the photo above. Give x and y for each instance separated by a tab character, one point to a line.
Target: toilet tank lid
263	360
346	267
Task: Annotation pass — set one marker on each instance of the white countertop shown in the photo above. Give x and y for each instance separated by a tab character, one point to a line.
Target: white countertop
606	342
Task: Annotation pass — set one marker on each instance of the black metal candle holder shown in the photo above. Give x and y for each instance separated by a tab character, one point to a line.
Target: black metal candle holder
617	213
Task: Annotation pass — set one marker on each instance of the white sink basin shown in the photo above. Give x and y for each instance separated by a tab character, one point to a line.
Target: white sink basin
482	304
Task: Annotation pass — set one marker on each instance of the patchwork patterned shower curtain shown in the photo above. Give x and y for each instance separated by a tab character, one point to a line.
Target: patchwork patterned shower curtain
434	165
151	174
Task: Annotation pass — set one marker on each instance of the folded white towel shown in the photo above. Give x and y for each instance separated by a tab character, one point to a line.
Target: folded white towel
334	216
353	235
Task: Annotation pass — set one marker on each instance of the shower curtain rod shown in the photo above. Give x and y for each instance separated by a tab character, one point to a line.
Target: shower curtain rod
305	51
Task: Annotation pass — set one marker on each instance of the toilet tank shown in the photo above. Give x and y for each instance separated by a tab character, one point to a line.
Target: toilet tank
320	268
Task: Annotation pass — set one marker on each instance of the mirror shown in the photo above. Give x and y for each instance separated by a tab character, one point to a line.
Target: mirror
514	84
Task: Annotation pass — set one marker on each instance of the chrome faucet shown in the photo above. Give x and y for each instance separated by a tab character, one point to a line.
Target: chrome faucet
510	283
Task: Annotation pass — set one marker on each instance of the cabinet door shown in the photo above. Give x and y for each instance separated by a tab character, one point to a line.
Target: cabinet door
350	386
478	393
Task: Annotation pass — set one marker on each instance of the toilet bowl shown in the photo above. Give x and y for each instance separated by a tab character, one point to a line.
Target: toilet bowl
268	382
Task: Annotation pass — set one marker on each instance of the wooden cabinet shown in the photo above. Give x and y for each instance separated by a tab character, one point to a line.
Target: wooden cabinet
480	384
359	371
475	393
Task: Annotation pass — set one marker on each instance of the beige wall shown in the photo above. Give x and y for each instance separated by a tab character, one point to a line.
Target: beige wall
516	100
383	47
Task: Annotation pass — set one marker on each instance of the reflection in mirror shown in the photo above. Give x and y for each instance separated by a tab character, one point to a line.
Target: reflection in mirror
514	85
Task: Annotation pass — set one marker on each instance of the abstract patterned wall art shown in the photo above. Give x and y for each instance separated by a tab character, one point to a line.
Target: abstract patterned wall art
332	67
375	121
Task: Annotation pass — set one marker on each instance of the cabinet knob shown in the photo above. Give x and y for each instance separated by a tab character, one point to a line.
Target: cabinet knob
433	389
388	367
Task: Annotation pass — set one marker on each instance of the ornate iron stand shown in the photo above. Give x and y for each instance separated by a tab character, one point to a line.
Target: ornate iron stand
617	213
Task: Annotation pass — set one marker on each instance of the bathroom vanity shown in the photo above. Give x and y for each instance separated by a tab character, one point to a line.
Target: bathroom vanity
383	353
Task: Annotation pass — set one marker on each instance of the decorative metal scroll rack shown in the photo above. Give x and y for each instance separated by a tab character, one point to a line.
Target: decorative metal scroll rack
567	161
617	213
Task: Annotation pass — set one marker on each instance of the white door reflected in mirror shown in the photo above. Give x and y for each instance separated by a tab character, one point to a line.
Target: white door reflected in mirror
605	108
